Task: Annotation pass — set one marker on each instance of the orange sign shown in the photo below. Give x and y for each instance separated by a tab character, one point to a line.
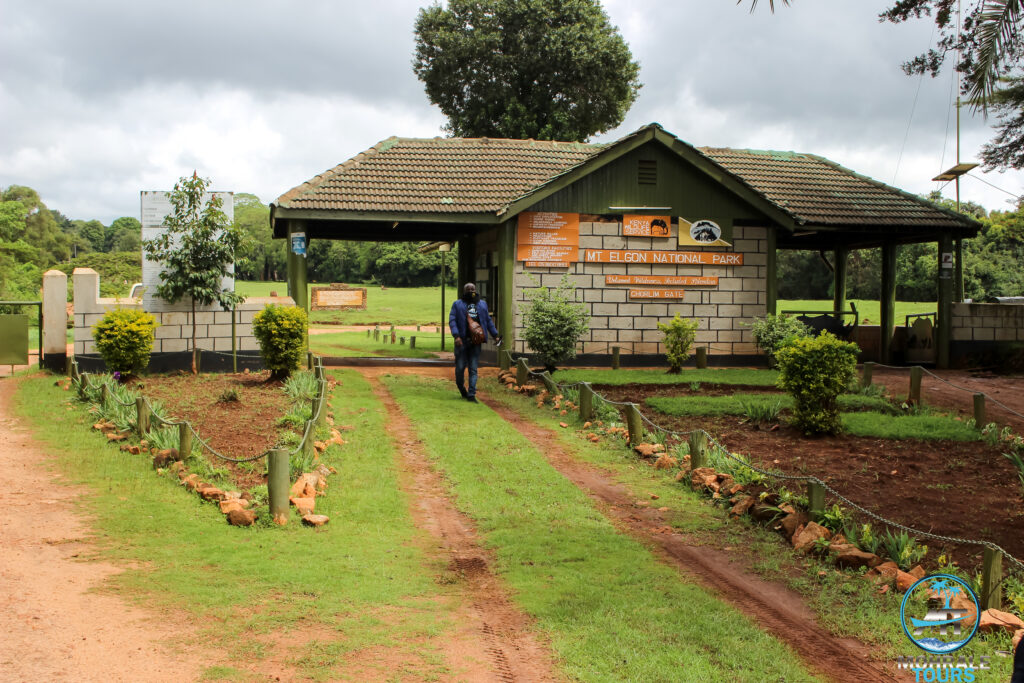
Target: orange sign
676	280
548	238
545	264
655	294
646	226
677	258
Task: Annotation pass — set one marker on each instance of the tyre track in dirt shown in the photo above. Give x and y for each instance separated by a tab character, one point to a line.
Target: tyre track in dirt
771	606
495	640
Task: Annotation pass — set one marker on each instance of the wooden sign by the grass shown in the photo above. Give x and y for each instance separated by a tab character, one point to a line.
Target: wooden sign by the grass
662	280
676	294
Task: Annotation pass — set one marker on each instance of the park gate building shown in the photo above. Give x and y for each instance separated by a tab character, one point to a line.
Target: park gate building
644	228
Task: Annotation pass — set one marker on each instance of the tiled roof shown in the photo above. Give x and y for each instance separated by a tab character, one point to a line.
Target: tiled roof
814	190
482	175
438	175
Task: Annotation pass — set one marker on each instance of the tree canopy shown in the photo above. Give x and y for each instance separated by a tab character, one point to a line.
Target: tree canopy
542	69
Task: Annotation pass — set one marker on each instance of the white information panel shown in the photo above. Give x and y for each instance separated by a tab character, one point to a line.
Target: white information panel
156	207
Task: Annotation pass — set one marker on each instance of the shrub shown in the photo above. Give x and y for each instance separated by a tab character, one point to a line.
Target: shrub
679	336
124	337
281	332
772	331
553	322
815	371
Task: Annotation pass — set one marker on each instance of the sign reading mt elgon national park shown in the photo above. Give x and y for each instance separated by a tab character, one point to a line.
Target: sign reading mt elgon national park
681	258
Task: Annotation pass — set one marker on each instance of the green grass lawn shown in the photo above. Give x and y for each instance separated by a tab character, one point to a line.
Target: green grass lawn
394	305
869	310
929	427
736	404
741	376
358	344
613	612
364	578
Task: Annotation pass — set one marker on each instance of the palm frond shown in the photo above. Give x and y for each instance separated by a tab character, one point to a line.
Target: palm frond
771	4
998	30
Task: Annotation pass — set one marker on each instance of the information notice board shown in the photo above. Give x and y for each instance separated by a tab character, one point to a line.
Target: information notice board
547	239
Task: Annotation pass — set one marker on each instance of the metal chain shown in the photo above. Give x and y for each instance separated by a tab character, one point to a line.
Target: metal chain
956	386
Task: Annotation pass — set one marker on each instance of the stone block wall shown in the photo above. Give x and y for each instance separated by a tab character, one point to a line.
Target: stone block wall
213	325
988	322
723	311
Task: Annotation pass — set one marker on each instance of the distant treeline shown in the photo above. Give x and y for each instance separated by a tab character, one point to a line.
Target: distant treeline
34	238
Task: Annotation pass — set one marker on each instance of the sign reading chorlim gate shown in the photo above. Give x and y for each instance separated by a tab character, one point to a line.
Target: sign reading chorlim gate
665	280
681	258
656	294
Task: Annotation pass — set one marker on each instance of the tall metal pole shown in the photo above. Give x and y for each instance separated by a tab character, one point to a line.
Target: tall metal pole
441	326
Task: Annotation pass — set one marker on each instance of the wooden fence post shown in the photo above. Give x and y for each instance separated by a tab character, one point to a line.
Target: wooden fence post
549	383
615	358
586	402
979	410
104	394
698	449
815	499
376	334
702	357
635	424
991	578
916	373
412	341
309	360
868	376
278	485
69	365
522	371
184	440
141	417
504	359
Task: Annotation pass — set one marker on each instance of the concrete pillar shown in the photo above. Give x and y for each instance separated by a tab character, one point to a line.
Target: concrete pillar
55	320
297	281
86	285
887	302
506	282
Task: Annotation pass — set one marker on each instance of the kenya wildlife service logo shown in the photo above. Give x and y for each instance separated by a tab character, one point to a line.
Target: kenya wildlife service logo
950	618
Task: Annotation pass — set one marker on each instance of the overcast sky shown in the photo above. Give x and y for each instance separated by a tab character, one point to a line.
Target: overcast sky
101	100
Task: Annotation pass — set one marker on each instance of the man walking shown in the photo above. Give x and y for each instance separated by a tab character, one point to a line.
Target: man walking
469	307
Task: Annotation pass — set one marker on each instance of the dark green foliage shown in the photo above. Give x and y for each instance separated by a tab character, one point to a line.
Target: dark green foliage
679	336
118	270
260	257
124	337
815	371
281	331
542	69
772	331
553	322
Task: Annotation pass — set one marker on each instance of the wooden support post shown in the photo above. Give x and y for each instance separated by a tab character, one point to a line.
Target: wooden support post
549	383
702	357
141	417
815	499
412	342
991	580
771	273
868	376
698	449
979	410
944	328
504	359
615	358
393	336
309	360
69	365
104	394
887	302
184	441
376	334
916	373
586	402
278	485
83	384
839	280
505	288
522	371
635	424
298	239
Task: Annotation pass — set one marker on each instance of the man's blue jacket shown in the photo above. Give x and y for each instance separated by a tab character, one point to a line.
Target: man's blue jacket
457	319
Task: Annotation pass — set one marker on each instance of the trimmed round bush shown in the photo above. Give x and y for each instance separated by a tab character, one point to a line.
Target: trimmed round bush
815	371
281	332
124	337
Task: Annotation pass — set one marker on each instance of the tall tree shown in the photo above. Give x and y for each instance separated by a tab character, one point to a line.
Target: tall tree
542	69
196	250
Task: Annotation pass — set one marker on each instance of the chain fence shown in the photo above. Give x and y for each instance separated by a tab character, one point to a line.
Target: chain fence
318	403
1017	565
956	386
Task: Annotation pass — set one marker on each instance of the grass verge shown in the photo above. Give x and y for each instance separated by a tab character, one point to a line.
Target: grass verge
741	376
360	582
931	427
737	403
357	344
844	602
613	612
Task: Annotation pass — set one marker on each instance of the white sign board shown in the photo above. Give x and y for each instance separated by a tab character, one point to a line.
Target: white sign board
155	207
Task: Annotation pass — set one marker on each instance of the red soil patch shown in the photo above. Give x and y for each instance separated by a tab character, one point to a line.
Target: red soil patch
238	429
951	488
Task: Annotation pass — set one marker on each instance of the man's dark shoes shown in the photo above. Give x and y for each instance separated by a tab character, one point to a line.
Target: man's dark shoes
465	394
472	399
